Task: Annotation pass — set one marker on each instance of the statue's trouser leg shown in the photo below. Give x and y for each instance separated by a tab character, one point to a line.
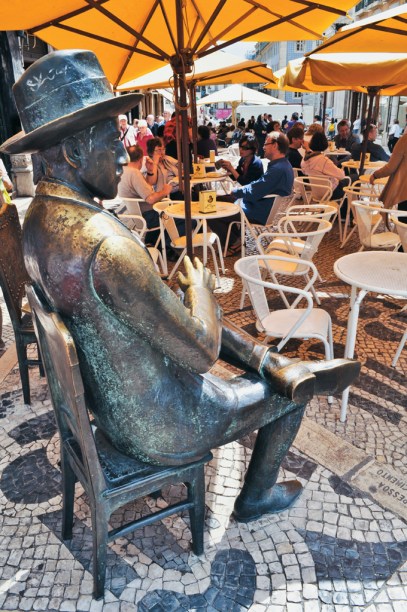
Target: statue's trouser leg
260	493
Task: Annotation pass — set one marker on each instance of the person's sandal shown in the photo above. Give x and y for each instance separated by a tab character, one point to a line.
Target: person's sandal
234	250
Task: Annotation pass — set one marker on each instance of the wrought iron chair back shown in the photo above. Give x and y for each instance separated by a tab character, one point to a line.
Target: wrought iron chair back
13	278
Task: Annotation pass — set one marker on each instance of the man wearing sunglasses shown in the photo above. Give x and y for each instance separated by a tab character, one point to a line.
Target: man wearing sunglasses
278	179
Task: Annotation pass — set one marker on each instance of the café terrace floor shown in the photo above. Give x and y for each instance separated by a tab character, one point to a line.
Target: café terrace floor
341	547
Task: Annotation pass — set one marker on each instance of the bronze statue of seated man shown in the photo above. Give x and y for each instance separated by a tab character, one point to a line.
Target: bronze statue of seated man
145	354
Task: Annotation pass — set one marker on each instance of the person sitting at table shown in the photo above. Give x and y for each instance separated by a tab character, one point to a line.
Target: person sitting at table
160	167
344	138
250	166
377	153
296	139
205	144
134	185
312	129
278	179
316	164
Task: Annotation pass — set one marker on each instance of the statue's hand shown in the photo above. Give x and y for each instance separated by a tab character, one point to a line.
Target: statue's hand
195	276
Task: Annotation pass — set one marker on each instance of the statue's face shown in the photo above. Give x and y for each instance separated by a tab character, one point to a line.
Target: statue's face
102	160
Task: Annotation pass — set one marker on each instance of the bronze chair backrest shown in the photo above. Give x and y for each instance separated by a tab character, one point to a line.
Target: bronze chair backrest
13	275
64	379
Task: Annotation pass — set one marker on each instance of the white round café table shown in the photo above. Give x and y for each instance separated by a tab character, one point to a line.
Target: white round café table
368	166
378	271
337	153
365	178
209	177
223	209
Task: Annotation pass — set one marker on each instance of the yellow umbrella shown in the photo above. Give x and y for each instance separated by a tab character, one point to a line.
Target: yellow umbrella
386	31
132	38
376	73
219	67
383	71
284	83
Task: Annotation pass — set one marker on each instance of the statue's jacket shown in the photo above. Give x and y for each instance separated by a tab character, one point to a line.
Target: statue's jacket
143	357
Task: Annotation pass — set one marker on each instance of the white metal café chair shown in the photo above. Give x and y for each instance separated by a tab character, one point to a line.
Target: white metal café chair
318	189
291	322
131	206
180	244
137	225
400	226
296	245
368	224
280	204
321	211
358	191
402	232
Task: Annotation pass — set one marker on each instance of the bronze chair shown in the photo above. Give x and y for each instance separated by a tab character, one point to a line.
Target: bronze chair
110	479
13	277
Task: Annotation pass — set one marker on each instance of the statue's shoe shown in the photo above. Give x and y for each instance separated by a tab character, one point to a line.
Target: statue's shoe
334	375
280	497
301	380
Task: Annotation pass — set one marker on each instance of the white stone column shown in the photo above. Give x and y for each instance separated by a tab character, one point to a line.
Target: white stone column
22	174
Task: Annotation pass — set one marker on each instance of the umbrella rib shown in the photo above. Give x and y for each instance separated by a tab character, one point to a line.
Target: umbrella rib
270	25
55	21
329	42
195	26
109	41
128	58
312	5
346	35
234	71
388	29
317	5
234	24
400	18
208	24
128	29
170	32
253	71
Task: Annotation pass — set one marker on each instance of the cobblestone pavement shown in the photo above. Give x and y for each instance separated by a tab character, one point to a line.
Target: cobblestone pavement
342	546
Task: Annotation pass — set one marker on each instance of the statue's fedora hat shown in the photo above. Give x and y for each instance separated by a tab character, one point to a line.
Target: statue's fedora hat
61	94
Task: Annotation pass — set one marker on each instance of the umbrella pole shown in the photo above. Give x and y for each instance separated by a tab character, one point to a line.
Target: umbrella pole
324	110
180	62
234	107
194	117
372	91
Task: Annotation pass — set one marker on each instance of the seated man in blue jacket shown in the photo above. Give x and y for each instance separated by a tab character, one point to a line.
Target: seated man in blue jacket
278	179
377	153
